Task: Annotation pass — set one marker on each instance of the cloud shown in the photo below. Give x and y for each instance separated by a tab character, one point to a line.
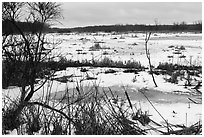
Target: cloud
99	13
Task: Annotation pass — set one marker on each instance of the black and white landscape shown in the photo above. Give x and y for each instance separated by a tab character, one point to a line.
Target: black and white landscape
93	74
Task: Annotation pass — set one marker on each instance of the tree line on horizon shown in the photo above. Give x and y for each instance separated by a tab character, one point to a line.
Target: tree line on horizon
33	27
29	27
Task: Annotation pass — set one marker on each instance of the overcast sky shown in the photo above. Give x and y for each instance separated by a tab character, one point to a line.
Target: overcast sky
106	13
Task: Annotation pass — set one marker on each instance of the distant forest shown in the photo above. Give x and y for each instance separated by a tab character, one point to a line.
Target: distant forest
30	27
125	28
9	28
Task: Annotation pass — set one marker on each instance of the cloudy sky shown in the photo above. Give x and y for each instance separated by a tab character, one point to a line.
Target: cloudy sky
105	13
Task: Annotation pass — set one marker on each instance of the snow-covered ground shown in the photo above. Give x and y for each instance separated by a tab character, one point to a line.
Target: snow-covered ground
167	97
171	100
130	46
137	81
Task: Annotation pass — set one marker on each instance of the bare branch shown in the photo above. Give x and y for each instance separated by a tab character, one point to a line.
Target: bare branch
51	108
148	56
